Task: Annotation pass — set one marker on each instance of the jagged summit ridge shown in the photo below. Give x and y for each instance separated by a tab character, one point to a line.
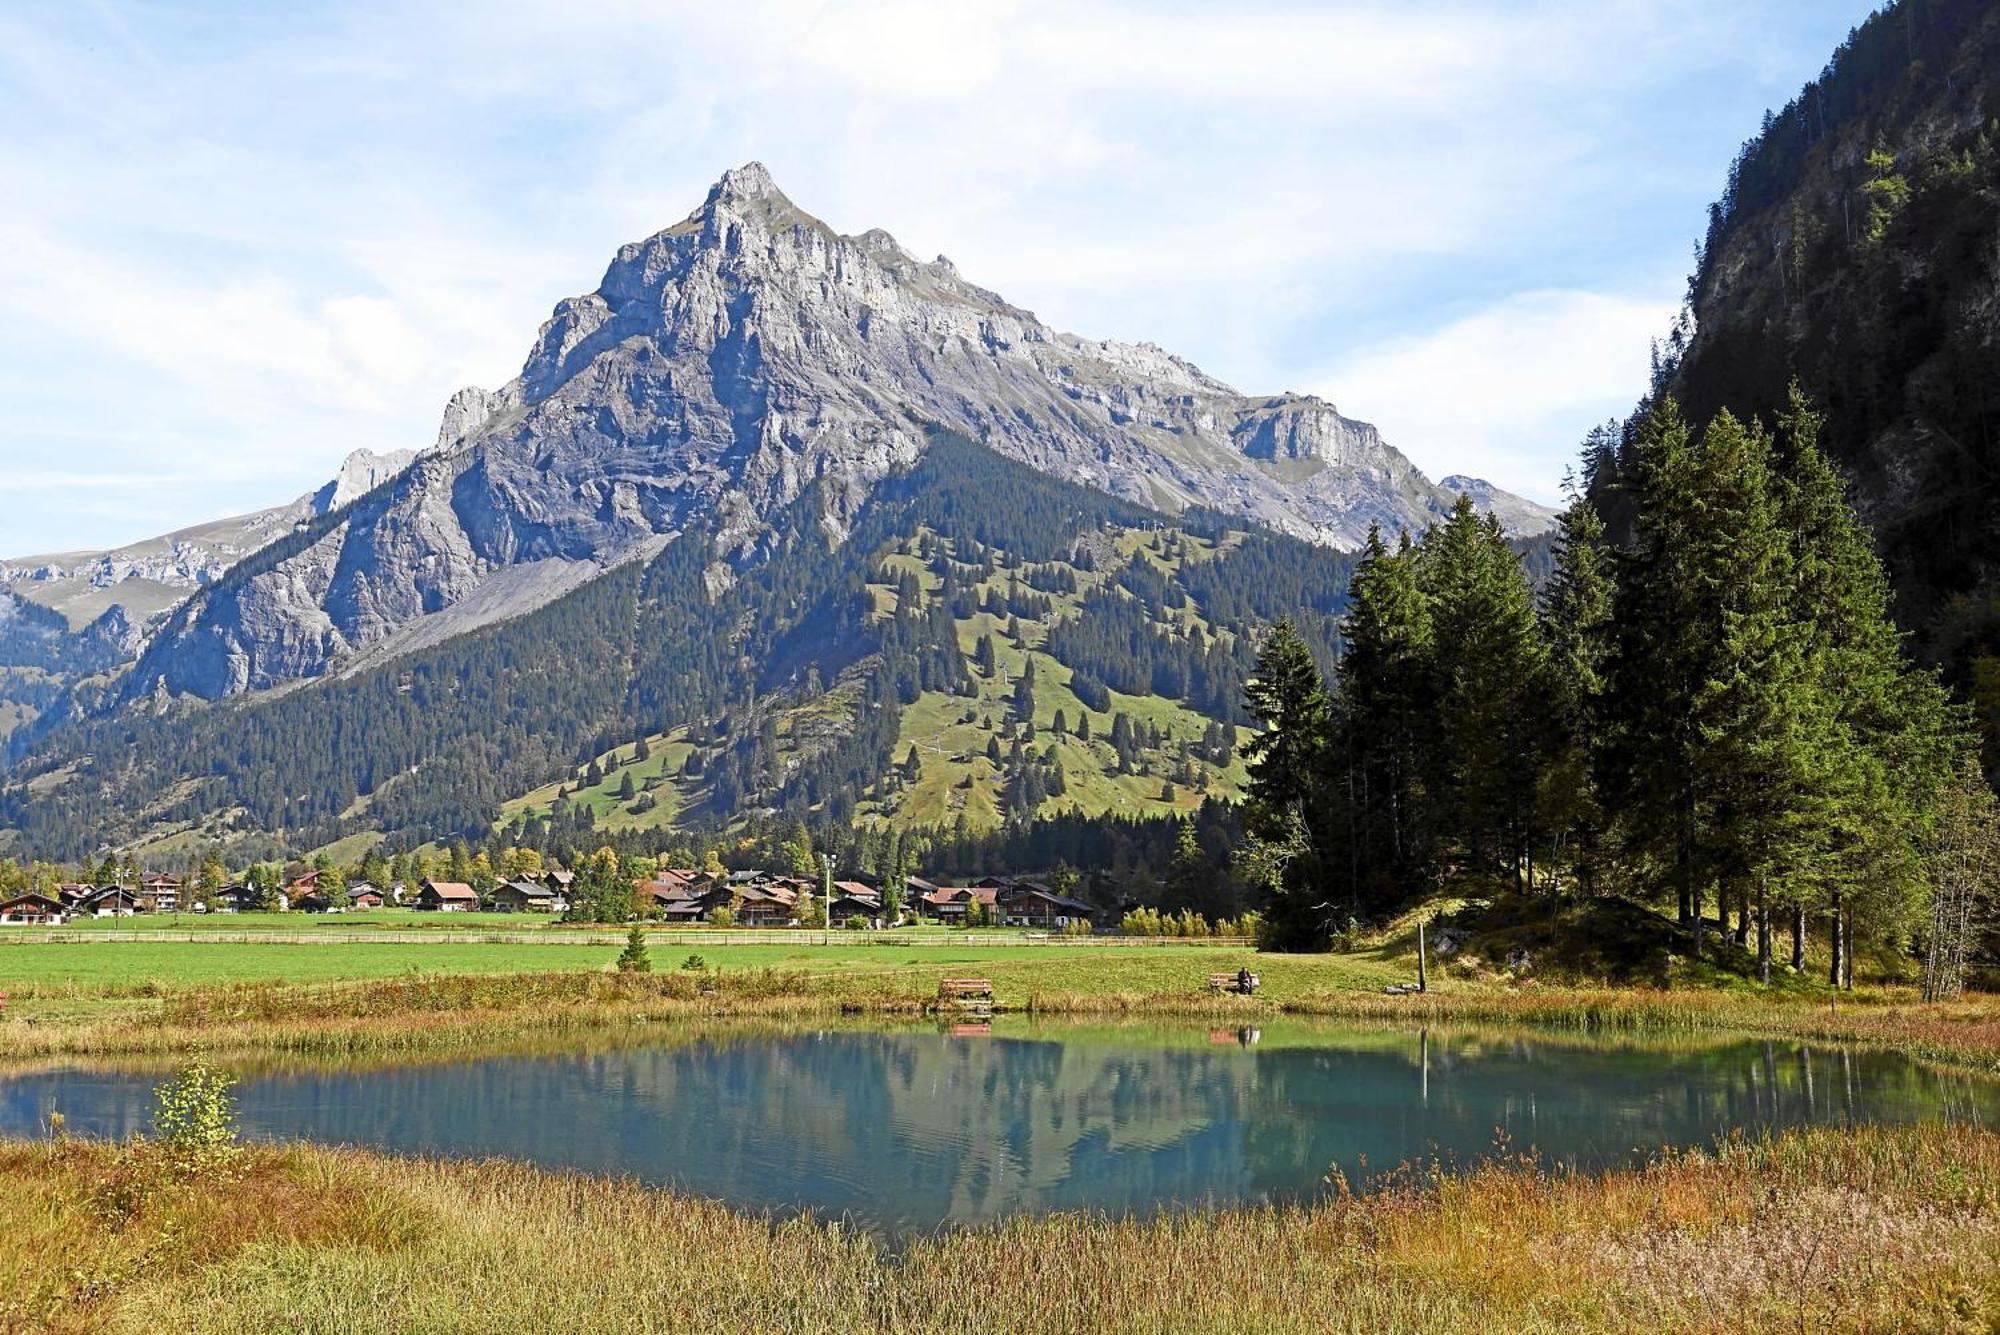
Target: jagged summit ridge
722	366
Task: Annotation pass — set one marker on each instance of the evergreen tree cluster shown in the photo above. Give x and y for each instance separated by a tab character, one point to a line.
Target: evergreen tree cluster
1851	252
1129	639
1719	714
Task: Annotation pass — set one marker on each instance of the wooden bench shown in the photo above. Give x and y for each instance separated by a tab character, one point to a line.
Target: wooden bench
965	989
1231	982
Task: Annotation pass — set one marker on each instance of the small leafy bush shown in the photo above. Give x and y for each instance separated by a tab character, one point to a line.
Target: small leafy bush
194	1116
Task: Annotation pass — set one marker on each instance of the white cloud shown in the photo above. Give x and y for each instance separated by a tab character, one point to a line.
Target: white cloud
1508	392
239	245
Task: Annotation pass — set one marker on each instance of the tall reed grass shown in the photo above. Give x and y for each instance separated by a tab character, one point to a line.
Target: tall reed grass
1874	1229
461	1011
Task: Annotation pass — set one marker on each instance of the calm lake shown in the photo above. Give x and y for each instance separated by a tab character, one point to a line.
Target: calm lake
906	1130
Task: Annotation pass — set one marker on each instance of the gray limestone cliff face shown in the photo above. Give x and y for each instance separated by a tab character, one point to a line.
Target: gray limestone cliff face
360	473
149	575
1516	514
721	368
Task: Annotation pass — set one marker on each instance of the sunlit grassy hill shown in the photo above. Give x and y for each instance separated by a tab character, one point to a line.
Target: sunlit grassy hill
956	754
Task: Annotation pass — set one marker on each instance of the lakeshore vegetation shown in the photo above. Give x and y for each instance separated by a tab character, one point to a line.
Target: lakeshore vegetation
116	997
1874	1228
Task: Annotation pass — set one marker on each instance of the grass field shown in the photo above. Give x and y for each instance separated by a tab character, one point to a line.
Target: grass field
121	966
658	774
1870	1229
421	991
31	970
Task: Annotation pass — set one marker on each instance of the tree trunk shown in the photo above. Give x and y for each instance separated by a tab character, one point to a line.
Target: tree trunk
1743	916
1799	938
1834	939
1694	902
1847	950
1763	936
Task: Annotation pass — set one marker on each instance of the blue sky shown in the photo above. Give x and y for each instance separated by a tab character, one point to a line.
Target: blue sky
242	240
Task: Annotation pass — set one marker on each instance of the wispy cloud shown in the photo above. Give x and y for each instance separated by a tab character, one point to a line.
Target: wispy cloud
245	239
1506	393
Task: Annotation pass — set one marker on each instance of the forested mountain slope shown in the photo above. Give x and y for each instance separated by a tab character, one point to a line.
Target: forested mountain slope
806	686
1857	250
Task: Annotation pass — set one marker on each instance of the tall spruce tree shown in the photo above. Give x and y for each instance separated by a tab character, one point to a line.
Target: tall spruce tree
1487	666
1898	730
1284	801
1576	624
1766	740
1387	717
1662	648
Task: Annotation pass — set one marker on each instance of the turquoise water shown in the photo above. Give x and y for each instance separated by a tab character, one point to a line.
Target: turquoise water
905	1130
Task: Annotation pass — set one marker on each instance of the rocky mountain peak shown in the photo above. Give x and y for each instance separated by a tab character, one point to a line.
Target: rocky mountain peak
360	473
721	368
466	412
750	181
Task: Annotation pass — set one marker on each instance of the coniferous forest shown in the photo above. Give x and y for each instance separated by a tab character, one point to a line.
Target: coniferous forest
1716	717
429	748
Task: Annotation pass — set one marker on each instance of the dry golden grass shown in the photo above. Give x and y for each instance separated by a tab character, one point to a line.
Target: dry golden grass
457	1012
1877	1229
1965	1032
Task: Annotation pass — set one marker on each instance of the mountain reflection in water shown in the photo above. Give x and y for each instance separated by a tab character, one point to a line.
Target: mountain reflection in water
909	1130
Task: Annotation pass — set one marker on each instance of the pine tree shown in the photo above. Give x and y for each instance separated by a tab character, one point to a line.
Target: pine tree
1765	739
1662	649
1487	669
1899	735
1576	625
1024	693
1386	720
635	958
1283	800
1191	878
